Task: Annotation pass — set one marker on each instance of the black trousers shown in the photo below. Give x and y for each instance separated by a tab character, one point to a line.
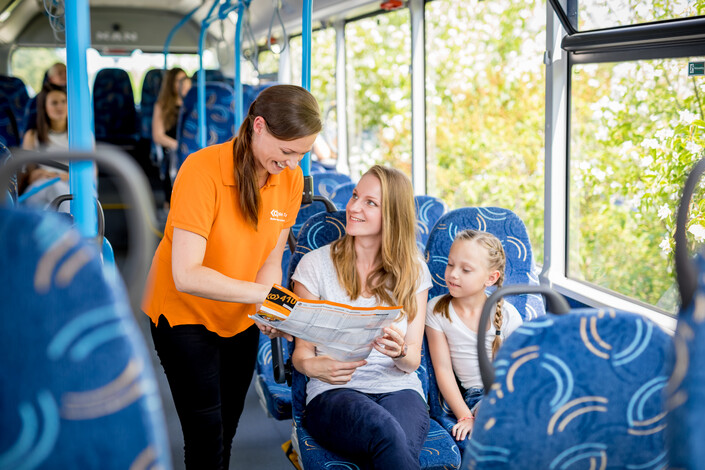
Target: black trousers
209	376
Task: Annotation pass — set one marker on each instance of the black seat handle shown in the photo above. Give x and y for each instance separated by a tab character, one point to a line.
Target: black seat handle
555	303
686	274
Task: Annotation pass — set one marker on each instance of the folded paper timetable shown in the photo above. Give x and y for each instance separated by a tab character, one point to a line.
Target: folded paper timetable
341	331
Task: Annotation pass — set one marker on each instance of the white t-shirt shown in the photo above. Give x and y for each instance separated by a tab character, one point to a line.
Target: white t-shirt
316	273
462	341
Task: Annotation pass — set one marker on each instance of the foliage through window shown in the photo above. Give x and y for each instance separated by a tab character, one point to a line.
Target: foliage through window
637	128
485	107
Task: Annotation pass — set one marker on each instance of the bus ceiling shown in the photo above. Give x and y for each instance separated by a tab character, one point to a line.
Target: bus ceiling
144	25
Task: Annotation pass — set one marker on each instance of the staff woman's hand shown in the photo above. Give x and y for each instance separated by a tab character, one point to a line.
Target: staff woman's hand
272	332
331	371
391	343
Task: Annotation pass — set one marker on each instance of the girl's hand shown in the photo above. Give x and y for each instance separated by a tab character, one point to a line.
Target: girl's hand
463	428
391	343
273	332
331	371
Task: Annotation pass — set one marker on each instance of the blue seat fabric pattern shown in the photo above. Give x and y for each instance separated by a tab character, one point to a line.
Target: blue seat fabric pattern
277	396
686	389
581	390
13	100
341	195
114	108
428	210
510	230
77	389
325	182
220	120
151	85
5	157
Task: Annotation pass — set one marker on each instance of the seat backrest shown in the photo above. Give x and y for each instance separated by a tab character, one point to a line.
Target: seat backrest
342	194
510	230
428	210
114	110
220	120
151	85
14	93
212	75
5	157
319	230
325	182
30	114
580	390
77	389
686	388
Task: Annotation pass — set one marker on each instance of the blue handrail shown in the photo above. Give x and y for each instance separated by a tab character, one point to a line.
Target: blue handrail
202	140
238	72
306	66
82	181
173	31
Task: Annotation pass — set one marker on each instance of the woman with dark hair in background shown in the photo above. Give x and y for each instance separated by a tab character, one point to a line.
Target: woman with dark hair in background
165	118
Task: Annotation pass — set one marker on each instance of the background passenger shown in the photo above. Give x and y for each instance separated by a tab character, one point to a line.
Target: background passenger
165	119
476	261
232	208
50	134
372	411
56	75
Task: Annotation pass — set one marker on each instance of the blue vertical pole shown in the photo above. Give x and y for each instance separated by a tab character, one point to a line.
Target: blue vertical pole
306	30
238	72
202	131
173	31
81	137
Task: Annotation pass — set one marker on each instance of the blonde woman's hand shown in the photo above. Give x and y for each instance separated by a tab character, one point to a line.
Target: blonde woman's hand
391	343
331	371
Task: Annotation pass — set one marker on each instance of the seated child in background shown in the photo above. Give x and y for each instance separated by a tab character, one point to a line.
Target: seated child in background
476	261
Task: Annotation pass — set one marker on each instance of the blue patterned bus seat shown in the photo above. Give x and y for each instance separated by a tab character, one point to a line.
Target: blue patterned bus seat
341	195
580	390
13	100
510	230
151	85
428	210
5	156
325	182
114	110
220	120
77	389
686	389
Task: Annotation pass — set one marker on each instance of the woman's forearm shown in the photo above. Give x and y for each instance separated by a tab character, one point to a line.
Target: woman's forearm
210	284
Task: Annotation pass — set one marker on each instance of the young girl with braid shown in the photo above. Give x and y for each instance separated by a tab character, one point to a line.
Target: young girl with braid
476	261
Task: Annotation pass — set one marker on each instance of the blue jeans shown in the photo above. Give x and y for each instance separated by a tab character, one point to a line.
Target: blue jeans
379	431
472	397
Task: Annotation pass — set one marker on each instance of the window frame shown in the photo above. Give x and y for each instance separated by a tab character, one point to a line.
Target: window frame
564	48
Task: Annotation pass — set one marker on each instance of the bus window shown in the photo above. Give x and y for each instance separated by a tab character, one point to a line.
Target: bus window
31	63
485	107
636	130
268	65
587	15
378	51
322	79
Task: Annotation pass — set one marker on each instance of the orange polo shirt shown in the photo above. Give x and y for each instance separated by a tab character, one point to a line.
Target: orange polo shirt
205	201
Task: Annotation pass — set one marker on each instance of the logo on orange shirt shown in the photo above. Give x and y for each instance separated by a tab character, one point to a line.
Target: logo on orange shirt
277	216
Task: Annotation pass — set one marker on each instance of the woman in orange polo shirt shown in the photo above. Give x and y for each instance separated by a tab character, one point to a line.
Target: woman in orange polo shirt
231	210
